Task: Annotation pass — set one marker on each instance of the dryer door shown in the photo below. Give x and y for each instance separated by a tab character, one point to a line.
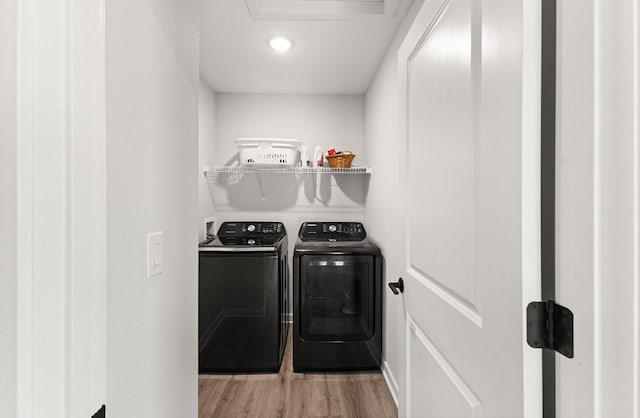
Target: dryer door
337	295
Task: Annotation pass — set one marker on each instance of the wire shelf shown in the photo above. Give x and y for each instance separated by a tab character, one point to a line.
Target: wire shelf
289	170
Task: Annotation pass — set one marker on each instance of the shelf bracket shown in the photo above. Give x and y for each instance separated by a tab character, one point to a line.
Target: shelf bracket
262	196
314	176
316	185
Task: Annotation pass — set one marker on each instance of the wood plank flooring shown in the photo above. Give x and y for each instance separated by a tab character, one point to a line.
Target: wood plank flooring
295	395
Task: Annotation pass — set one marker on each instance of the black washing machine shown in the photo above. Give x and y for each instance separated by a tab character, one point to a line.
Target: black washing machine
337	298
242	298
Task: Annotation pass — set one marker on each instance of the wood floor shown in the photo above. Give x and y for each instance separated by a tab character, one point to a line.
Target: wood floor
295	395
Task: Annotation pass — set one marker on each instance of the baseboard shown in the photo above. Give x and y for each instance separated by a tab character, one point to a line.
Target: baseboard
391	381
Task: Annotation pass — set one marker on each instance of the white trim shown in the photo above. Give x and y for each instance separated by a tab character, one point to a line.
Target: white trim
47	217
87	210
531	197
407	355
599	164
8	208
390	380
597	216
636	208
25	208
575	204
61	208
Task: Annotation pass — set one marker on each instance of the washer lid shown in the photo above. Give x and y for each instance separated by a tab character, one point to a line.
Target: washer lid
237	245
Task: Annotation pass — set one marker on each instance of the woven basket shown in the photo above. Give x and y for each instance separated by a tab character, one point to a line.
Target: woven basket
340	160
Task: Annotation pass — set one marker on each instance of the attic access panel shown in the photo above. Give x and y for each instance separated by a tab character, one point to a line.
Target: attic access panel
320	9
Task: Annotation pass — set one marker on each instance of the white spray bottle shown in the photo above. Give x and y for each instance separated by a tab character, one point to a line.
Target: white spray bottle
305	160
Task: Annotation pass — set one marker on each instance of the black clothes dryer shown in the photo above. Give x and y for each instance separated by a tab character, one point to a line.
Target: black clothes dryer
337	298
242	298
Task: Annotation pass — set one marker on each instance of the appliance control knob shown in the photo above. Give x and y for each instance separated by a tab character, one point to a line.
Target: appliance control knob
251	228
251	241
332	228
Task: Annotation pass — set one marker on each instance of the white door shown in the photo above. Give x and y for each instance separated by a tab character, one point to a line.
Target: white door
470	99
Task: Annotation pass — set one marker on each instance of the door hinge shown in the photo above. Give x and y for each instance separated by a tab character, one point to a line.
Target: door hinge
101	413
550	325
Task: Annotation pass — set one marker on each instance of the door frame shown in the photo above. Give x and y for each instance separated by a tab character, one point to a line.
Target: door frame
57	201
548	189
598	208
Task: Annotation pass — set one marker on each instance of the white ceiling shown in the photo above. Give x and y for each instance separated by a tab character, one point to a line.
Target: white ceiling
338	44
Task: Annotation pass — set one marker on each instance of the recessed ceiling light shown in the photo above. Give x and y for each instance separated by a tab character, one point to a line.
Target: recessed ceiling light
280	44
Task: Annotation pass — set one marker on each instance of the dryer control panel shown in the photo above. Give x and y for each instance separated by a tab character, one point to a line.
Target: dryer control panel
332	231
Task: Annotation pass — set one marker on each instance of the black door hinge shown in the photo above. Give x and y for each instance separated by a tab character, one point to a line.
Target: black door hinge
102	412
550	325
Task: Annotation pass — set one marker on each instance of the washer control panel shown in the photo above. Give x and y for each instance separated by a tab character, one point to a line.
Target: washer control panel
332	231
251	229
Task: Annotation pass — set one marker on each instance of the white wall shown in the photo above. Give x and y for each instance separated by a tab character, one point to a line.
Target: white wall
330	121
384	226
206	139
152	147
8	209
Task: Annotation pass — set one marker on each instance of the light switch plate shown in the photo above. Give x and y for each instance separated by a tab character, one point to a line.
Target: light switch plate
154	254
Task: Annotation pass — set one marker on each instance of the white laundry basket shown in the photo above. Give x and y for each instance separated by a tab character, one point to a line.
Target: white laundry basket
268	152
